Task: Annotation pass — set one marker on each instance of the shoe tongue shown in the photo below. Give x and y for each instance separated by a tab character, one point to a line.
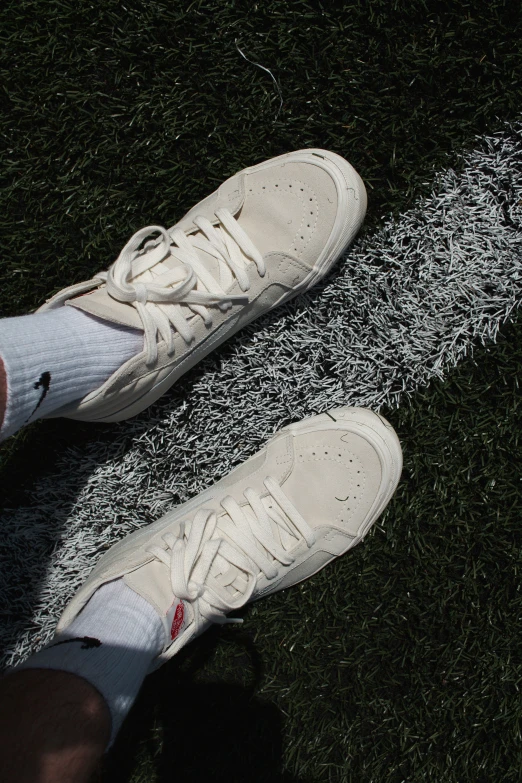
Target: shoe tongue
210	263
100	304
152	582
285	535
220	271
234	579
229	582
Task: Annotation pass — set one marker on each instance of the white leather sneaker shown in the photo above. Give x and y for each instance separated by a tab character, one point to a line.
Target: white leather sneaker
268	233
309	496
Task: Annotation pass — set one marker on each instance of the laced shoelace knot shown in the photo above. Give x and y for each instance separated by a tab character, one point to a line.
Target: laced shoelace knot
162	302
248	547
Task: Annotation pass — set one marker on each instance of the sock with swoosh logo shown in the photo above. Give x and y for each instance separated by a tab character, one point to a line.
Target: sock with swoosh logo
111	644
56	357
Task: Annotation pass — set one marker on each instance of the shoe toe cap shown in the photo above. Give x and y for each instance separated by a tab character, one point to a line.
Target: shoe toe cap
290	207
336	479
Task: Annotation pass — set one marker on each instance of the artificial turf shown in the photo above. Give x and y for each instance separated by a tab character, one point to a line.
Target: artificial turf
115	114
402	661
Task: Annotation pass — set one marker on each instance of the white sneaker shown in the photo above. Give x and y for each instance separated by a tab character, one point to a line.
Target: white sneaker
269	232
310	495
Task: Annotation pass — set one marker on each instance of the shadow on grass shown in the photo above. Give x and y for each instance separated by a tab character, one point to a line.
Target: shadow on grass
187	730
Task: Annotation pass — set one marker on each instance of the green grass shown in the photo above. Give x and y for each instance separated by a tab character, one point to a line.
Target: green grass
401	662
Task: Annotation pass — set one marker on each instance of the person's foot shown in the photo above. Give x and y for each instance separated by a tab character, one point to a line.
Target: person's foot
309	496
269	232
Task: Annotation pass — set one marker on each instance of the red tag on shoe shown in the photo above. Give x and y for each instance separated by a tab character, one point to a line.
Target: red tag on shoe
177	620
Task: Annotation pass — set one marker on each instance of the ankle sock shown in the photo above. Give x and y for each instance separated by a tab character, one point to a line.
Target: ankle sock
54	358
111	644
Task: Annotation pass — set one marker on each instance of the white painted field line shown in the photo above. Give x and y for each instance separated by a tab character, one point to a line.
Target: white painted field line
407	303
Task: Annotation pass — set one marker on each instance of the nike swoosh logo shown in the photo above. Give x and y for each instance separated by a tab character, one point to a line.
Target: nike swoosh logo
44	383
88	643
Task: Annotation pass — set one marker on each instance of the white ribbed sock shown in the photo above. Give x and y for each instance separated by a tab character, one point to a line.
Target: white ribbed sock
56	357
111	644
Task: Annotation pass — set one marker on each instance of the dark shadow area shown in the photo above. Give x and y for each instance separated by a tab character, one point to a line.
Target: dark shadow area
206	731
190	729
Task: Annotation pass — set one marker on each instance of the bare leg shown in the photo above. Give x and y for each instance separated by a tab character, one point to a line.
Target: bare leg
54	728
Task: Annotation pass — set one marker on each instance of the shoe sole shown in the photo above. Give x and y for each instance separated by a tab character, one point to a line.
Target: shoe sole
346	178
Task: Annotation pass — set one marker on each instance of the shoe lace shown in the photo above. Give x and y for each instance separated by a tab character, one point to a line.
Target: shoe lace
187	284
249	543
